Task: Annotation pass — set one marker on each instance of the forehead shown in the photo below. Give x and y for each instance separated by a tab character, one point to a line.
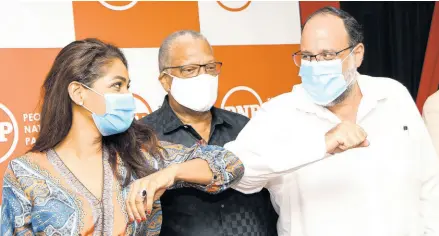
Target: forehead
114	68
188	50
324	32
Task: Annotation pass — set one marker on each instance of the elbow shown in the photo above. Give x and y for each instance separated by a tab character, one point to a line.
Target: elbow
229	175
238	172
234	171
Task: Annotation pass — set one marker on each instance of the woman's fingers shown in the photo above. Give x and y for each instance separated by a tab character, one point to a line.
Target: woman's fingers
131	201
140	198
151	191
145	191
127	203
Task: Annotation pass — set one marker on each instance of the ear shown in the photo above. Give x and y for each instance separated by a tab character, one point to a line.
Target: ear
166	81
359	54
76	93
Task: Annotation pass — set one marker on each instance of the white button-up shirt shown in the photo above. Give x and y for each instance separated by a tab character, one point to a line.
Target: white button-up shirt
390	188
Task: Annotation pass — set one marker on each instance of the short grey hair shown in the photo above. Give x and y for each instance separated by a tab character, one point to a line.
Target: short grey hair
165	48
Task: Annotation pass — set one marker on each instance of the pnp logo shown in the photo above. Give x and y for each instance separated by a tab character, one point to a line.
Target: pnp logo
246	102
142	107
118	7
234	6
8	133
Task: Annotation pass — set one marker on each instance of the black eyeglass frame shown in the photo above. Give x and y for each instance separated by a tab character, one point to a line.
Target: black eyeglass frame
199	67
298	53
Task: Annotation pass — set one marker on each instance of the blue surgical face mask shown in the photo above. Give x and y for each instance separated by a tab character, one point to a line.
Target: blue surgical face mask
323	80
119	113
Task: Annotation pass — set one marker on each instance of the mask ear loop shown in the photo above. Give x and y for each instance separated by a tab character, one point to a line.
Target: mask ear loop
353	77
82	102
348	55
92	89
352	80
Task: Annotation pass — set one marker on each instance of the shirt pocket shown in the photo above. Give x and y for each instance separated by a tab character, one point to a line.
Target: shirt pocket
393	139
395	148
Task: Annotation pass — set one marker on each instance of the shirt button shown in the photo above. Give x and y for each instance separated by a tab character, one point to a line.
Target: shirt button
222	205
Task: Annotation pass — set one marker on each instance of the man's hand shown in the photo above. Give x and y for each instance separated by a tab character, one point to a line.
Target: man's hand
344	136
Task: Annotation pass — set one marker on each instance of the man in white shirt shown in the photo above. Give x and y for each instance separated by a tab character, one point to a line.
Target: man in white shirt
336	182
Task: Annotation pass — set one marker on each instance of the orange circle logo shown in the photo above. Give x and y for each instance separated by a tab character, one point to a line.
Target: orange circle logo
144	109
243	100
237	6
8	133
118	7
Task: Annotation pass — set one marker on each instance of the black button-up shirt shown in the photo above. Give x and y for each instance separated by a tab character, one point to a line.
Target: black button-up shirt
190	212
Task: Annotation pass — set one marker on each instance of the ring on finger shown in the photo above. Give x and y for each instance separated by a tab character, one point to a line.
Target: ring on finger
142	193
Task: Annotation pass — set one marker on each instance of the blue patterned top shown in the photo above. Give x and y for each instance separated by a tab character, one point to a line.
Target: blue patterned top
42	197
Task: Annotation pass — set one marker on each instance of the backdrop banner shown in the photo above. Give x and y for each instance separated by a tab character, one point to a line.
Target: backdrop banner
254	40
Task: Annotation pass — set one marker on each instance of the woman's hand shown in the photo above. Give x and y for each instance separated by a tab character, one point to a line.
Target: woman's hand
144	191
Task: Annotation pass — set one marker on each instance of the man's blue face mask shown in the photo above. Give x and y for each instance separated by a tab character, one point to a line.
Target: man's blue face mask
324	80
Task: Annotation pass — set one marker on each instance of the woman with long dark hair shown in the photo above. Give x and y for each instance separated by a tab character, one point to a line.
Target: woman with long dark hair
94	170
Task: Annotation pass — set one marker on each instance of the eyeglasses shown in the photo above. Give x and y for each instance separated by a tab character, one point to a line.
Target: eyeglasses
192	70
324	56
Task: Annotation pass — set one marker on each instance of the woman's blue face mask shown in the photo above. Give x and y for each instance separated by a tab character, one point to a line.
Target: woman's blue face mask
119	113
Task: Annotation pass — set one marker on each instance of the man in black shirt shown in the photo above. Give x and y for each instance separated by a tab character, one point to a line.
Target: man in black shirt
189	74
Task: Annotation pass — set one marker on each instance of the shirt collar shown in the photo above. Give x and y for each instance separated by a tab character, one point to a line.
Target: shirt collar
173	122
371	90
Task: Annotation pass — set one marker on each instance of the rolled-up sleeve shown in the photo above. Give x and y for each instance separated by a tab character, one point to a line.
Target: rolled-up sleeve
226	167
